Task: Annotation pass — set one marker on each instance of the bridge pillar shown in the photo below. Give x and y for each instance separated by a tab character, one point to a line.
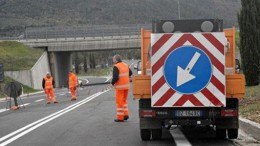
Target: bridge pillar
60	65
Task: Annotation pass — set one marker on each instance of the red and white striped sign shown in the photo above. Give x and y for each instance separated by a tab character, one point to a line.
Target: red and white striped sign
214	93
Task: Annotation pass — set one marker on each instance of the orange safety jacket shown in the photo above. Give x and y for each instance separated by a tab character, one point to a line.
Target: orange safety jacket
73	81
48	83
123	80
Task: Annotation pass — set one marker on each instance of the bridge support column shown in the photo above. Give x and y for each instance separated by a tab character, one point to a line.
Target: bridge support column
60	64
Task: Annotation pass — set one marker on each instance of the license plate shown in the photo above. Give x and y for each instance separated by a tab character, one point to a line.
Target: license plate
188	113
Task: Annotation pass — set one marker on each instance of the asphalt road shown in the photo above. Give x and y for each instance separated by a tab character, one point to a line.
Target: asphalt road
93	80
90	121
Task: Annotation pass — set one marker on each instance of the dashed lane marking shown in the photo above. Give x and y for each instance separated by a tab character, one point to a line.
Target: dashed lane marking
39	100
6	109
3	110
25	104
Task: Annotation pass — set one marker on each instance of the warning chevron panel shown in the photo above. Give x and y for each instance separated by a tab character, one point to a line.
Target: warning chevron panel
188	69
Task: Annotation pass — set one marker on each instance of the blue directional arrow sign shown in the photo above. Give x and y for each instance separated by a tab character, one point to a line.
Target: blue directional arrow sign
187	69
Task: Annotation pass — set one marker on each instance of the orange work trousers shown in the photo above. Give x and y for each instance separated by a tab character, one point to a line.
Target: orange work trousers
73	92
121	104
50	95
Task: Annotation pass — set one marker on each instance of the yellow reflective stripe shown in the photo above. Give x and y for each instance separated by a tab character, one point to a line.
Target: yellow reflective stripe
124	74
122	86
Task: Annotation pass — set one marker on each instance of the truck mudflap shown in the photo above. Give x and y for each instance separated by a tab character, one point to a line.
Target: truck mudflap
147	123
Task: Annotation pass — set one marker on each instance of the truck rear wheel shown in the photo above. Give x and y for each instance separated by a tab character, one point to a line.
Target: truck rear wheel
157	134
221	133
232	133
145	134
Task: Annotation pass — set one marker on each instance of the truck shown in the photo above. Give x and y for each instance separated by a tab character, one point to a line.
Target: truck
189	77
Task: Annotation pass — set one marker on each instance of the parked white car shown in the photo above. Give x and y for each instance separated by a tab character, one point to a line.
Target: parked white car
80	84
135	66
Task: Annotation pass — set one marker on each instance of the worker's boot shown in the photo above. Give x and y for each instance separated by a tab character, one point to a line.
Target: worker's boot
116	120
126	117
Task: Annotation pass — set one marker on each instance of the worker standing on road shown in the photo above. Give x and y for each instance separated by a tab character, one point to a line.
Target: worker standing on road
48	86
73	83
120	81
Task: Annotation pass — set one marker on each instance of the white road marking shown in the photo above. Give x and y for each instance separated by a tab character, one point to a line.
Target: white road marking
87	81
179	138
30	127
62	94
131	64
108	78
39	100
25	104
3	110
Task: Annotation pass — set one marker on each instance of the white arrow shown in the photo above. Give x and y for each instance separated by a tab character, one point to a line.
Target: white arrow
184	76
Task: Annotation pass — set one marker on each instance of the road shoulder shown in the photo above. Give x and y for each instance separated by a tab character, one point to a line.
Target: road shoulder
250	127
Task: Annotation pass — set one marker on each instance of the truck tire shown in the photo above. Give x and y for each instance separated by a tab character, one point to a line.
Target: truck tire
221	133
232	133
157	134
145	134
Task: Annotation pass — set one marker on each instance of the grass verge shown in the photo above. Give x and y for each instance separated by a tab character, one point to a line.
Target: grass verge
17	56
250	105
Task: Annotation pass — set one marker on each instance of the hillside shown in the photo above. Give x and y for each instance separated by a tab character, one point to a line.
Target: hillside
17	56
16	15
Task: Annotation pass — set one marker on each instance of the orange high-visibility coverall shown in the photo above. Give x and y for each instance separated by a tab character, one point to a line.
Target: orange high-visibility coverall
49	90
122	87
73	83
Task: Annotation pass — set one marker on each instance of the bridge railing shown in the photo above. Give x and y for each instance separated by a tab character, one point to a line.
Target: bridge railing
80	38
91	31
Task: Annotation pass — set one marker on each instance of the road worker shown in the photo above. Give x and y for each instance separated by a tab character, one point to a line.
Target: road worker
73	83
120	81
48	86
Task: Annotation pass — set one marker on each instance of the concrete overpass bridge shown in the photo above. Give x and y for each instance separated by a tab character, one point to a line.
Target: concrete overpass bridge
60	42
